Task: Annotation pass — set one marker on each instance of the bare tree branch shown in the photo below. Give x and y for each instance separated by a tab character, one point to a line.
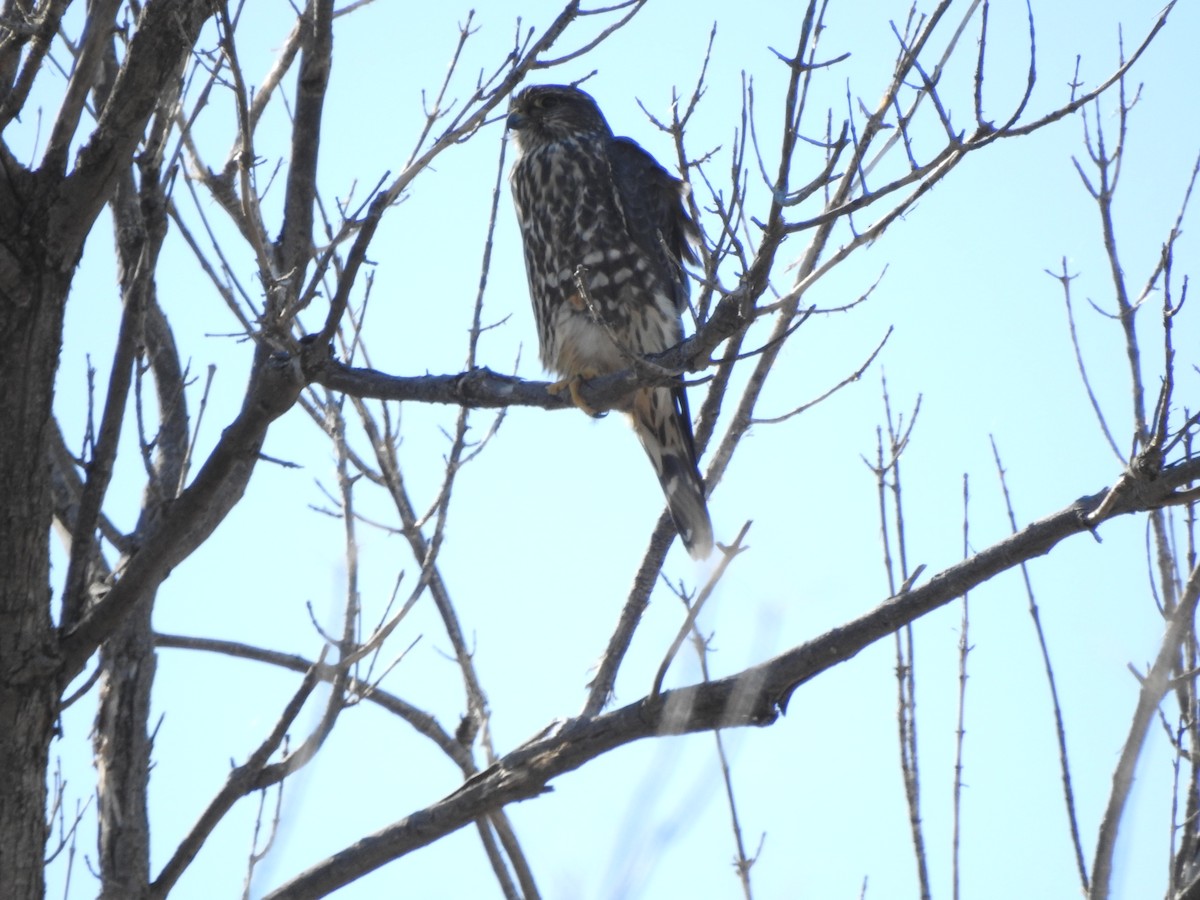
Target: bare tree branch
243	780
1154	687
754	696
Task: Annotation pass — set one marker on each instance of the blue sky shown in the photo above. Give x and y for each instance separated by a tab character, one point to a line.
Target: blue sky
550	521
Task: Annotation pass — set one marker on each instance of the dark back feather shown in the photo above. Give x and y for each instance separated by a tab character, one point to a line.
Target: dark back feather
654	209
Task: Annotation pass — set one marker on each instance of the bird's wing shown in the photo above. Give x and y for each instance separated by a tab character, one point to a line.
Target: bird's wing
652	199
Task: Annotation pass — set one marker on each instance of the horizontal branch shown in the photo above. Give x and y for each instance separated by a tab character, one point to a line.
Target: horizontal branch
483	388
755	696
477	388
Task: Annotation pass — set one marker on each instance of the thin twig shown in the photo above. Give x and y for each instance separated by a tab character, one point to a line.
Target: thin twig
728	555
960	732
1060	730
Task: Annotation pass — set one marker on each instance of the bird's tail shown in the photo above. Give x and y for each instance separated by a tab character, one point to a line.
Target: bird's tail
664	426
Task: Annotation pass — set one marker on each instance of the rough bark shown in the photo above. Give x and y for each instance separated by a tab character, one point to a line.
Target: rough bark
31	315
123	747
127	660
45	215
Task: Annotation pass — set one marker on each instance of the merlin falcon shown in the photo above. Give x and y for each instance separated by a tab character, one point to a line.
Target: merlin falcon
598	211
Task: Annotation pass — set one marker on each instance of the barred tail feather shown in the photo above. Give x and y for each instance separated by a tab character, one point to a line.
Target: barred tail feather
685	499
661	420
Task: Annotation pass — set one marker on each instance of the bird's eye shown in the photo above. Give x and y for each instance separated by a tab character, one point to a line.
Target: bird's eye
545	101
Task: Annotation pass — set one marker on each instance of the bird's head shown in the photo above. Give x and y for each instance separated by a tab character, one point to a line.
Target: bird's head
548	113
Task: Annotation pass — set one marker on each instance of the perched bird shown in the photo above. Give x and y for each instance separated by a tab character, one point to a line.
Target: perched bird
600	209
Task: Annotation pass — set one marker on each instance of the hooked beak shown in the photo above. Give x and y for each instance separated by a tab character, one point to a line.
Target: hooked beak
516	121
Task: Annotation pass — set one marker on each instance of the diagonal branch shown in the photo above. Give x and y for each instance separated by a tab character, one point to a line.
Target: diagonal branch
165	34
1154	688
93	44
755	696
194	514
243	780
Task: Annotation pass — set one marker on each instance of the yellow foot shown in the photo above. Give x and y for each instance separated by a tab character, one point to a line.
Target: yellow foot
572	384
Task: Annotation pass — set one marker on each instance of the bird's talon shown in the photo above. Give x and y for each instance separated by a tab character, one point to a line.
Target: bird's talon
572	384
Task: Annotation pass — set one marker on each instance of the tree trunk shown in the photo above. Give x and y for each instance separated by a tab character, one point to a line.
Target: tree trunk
123	758
31	313
45	216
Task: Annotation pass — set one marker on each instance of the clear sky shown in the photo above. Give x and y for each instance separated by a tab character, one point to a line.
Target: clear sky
549	523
